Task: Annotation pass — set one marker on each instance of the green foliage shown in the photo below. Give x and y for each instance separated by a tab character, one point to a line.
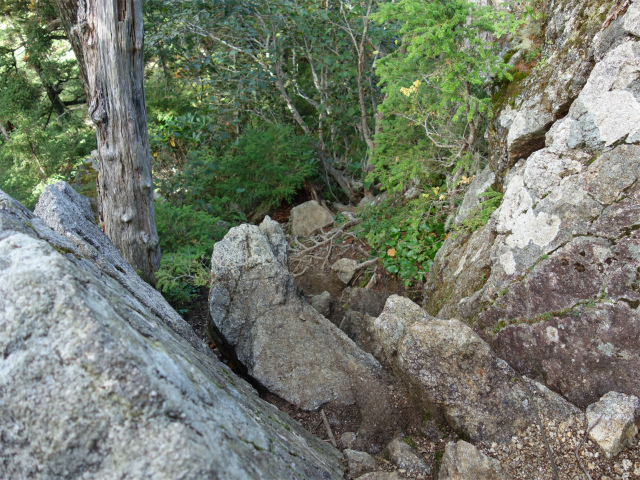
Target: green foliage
266	166
405	237
479	216
186	237
43	134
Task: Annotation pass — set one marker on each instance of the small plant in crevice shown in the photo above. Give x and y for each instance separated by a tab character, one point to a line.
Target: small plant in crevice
479	216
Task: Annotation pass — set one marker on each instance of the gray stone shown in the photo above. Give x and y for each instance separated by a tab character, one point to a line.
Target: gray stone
471	200
631	22
284	343
612	422
69	214
359	462
606	112
322	303
406	457
454	370
96	384
308	218
463	461
371	201
348	439
344	269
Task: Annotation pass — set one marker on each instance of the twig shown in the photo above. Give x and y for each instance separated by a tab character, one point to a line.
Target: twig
319	244
581	442
366	264
372	280
328	427
326	259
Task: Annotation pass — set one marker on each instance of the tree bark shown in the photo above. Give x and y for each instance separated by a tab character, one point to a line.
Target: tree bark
107	38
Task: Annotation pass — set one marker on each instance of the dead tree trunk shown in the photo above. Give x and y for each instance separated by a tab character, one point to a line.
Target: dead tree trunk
107	36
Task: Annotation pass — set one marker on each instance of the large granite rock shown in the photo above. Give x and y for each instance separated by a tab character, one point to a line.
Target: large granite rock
551	282
458	377
528	107
95	383
308	218
284	343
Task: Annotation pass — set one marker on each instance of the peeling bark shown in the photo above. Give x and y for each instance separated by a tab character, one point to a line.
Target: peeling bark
107	37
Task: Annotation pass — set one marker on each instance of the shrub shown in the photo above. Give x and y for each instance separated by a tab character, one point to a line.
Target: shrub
187	237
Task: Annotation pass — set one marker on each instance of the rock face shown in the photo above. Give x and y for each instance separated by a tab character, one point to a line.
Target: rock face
98	384
284	343
308	218
463	461
612	421
551	282
458	376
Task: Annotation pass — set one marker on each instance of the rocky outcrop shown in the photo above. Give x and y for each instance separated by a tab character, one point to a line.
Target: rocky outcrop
458	377
612	422
69	214
463	461
551	282
97	383
308	218
284	343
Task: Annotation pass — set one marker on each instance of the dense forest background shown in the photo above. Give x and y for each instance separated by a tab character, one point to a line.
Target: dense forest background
250	103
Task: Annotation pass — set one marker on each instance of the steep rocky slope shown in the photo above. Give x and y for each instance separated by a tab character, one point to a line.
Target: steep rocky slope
97	382
551	282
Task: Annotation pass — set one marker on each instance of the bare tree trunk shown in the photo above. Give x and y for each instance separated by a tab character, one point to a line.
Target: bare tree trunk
107	37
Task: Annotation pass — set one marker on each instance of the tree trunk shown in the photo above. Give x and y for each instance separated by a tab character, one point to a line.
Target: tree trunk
110	37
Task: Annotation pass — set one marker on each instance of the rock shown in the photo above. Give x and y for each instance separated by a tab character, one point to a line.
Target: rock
348	439
471	200
563	265
632	19
97	384
308	218
284	343
344	269
364	300
380	476
608	107
359	462
612	422
69	214
372	201
405	457
463	461
359	328
454	370
322	303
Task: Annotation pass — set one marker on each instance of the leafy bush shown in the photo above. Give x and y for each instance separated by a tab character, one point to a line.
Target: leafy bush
186	237
266	166
406	237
